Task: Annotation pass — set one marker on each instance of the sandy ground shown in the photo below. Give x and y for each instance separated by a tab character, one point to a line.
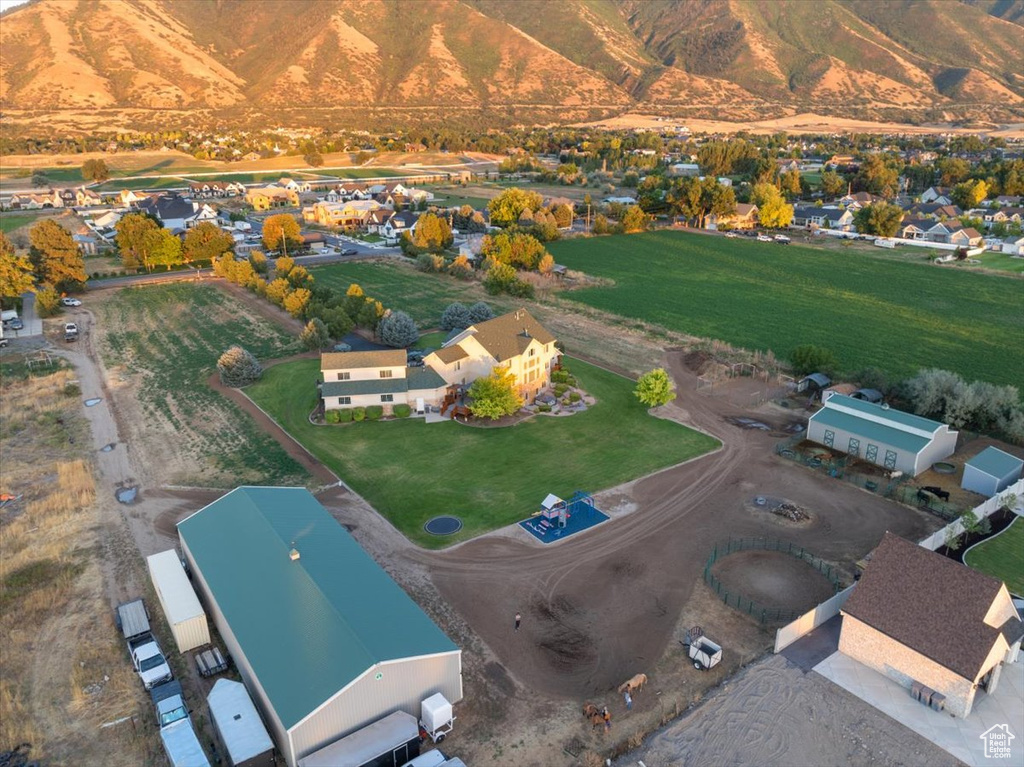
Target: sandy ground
774	713
598	608
800	123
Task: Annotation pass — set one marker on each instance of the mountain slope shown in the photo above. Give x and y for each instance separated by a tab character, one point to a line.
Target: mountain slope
268	55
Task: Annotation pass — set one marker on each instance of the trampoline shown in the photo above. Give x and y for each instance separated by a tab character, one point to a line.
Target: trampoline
445	525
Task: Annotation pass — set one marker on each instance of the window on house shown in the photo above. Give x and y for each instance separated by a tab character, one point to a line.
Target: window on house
387	397
344	376
458	365
532	352
385	374
344	400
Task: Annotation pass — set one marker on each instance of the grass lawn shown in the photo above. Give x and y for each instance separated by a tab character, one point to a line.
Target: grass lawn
363	172
399	286
457	201
116	185
11	221
1004	262
411	471
431	340
1002	557
168	338
870	311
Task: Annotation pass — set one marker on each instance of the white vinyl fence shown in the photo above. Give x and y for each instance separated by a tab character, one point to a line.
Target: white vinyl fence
830	608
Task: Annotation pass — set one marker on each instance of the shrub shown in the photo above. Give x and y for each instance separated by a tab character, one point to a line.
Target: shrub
332	416
560	389
358	413
809	358
374	412
456	316
574	396
72	390
238	367
398	330
47	301
344	415
401	411
544	408
315	335
480	312
560	376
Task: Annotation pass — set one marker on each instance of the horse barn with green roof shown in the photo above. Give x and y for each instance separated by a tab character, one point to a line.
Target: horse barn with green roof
325	641
881	435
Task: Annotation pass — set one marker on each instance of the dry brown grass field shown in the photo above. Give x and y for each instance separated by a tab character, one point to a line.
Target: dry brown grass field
65	673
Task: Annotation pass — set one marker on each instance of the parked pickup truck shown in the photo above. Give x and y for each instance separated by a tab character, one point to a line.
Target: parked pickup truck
147	660
180	742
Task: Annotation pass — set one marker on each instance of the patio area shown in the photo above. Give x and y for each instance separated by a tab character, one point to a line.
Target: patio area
962	738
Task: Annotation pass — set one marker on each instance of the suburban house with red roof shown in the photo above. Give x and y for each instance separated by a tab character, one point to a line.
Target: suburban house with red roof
924	620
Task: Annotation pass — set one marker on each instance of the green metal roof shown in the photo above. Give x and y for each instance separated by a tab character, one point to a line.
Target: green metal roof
369	386
891	414
307	627
425	378
995	462
869	431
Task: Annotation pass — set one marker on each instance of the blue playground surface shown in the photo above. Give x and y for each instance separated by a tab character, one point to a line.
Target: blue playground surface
581	516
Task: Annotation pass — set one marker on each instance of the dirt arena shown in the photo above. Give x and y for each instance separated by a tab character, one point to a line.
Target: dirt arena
773	580
597	608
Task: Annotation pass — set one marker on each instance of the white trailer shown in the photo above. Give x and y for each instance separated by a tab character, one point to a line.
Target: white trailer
704	653
436	717
179	601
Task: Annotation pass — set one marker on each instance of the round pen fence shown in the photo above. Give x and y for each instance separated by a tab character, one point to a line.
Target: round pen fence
763	613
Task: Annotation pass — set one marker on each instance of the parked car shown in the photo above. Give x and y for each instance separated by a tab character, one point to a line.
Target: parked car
70	302
132	619
782	239
70	332
342	347
350	252
180	742
763	238
16	324
731	234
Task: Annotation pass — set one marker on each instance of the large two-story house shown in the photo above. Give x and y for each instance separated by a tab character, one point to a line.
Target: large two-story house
514	341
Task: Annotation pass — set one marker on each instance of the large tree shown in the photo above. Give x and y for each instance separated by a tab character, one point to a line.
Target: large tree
163	249
95	170
15	271
697	199
456	316
282	228
877	176
523	251
495	395
132	231
832	184
55	256
634	220
431	235
205	242
508	206
969	194
238	367
879	218
772	209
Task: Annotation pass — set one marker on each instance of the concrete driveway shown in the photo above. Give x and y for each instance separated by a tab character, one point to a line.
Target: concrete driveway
33	324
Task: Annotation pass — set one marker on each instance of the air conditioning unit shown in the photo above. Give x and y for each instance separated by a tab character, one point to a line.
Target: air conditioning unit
938	701
915	690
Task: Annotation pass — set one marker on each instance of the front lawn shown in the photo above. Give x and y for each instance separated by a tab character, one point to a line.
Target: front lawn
411	471
1002	557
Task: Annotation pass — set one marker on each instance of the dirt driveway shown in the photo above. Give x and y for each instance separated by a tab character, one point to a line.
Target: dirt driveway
604	604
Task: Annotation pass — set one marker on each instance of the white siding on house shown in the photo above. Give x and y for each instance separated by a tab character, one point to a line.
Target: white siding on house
365	374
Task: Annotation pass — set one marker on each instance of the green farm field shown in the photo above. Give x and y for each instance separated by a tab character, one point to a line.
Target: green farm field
1002	557
166	340
11	221
400	286
870	311
412	471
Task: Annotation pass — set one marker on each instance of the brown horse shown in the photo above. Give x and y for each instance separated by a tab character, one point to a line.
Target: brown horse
590	710
597	721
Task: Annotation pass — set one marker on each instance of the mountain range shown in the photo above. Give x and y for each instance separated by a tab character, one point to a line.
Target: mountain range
936	56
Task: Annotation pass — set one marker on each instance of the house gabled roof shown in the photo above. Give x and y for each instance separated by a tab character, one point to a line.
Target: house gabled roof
307	626
744	209
450	354
510	334
380	358
929	603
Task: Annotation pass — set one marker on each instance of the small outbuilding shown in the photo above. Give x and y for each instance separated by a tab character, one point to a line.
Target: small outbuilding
178	599
868	395
881	435
932	625
991	471
238	726
813	383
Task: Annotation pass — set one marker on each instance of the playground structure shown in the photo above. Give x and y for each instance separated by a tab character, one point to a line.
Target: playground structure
558	518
